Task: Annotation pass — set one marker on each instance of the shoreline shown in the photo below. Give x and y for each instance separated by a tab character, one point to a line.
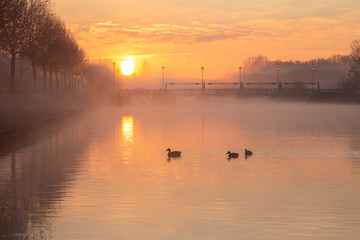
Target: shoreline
21	114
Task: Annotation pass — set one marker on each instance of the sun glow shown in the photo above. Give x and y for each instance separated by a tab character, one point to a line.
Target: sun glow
127	67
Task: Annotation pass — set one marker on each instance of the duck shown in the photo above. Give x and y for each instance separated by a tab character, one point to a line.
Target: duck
232	155
173	153
248	152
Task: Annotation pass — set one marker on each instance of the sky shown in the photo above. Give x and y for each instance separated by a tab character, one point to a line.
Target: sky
185	35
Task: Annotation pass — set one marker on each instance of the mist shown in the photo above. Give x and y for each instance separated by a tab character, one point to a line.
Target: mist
89	150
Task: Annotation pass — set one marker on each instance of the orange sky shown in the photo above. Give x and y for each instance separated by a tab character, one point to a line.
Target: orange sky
185	35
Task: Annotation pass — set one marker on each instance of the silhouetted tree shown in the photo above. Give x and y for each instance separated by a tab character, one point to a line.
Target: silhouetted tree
51	39
255	61
13	18
354	72
351	85
18	24
37	22
57	45
99	81
327	71
30	28
80	66
66	60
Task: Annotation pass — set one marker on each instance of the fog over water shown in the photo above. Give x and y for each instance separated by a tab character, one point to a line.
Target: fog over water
106	175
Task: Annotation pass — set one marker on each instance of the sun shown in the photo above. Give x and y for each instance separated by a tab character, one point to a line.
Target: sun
127	67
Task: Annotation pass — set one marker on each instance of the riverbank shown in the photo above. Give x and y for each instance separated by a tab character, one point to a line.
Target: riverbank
19	111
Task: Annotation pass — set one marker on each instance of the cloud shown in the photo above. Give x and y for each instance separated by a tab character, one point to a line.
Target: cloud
199	32
273	36
162	33
108	23
151	55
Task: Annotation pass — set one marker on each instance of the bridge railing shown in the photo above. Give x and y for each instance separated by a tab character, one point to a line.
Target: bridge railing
184	91
255	88
139	91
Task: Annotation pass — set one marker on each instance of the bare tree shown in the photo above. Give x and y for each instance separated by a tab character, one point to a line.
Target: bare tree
255	61
13	15
38	19
29	28
354	72
54	47
50	40
71	61
351	85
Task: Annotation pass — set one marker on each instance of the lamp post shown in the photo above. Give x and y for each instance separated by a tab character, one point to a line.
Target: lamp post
163	78
313	76
21	73
118	81
278	82
240	82
114	75
202	80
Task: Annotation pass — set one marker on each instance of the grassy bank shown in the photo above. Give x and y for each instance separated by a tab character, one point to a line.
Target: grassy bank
21	110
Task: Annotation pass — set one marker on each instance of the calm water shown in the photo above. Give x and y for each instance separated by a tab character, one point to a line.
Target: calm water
107	176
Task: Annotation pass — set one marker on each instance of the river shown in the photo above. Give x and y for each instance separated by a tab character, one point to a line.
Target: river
106	175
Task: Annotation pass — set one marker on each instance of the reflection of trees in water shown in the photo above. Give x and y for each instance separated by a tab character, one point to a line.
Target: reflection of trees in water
355	147
32	182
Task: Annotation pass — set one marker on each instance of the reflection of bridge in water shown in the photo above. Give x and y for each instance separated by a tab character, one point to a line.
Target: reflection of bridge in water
236	88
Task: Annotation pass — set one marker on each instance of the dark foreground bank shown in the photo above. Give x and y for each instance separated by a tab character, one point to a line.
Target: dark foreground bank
23	112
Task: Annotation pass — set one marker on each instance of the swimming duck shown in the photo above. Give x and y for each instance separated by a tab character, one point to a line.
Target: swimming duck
173	153
248	152
232	155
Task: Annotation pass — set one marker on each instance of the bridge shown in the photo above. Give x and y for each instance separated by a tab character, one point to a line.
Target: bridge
302	91
235	88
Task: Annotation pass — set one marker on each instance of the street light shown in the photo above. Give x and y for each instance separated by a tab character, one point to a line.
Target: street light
118	82
312	76
240	83
202	79
163	78
114	75
278	82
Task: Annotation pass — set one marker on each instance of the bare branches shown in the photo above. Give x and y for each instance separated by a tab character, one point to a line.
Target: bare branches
13	15
355	61
31	29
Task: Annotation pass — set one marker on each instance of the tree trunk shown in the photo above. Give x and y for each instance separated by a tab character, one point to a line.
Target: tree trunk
63	83
44	74
12	73
76	84
34	76
56	82
68	83
50	79
71	77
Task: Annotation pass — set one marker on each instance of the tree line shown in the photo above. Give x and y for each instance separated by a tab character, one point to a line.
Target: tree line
337	72
31	30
